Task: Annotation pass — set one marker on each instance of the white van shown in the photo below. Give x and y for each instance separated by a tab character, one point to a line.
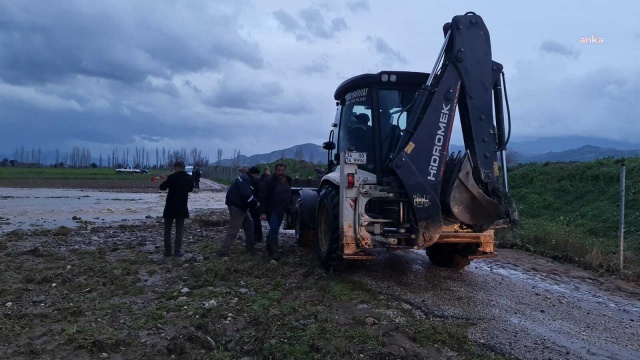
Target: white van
189	169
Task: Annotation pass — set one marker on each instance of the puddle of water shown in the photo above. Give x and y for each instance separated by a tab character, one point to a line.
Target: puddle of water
50	208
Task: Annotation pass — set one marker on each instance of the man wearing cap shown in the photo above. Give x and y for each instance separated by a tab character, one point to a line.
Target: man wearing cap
243	168
239	200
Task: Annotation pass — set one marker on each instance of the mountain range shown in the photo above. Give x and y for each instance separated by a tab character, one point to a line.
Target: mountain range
552	149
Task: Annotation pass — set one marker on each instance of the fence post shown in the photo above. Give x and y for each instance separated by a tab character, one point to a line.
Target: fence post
622	196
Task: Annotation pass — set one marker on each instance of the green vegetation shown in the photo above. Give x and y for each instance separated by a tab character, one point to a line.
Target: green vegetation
570	212
303	172
297	169
75	178
43	173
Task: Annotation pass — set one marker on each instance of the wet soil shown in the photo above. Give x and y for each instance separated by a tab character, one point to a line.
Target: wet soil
108	292
519	304
102	289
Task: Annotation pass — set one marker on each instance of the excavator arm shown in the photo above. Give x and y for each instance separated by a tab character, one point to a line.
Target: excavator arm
463	188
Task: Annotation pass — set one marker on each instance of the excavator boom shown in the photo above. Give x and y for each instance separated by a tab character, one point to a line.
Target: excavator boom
463	188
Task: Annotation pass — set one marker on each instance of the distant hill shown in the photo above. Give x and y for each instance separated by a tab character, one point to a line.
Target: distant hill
559	144
315	153
583	153
309	152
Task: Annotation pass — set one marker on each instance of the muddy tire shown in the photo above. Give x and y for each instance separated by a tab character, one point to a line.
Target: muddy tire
328	231
447	256
305	237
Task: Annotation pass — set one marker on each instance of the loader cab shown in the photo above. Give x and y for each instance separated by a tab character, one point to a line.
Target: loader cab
372	113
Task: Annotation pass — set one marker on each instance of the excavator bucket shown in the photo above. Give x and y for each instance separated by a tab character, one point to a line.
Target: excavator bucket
463	200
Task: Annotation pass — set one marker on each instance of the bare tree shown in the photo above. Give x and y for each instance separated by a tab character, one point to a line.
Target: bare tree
235	161
194	154
219	158
57	156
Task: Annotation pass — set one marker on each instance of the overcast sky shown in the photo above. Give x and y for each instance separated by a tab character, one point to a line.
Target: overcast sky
260	75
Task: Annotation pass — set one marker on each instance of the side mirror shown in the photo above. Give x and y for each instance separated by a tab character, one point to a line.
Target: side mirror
329	145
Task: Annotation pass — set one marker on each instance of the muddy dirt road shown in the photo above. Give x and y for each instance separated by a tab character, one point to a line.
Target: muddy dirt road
519	304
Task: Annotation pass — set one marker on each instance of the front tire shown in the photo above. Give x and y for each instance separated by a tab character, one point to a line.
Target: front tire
328	231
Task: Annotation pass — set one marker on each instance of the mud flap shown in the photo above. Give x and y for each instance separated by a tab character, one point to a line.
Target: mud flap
464	200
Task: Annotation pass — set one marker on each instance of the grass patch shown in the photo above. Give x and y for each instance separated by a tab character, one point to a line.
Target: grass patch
570	211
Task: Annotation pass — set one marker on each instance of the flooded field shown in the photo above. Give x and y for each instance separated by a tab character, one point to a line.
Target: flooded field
50	208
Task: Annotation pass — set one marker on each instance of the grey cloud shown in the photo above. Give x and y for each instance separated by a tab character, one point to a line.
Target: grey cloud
317	67
153	139
555	47
288	22
359	5
249	97
44	42
245	94
190	85
338	25
382	48
49	130
312	24
574	103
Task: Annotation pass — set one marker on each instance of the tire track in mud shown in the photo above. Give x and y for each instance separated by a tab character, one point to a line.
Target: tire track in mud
518	304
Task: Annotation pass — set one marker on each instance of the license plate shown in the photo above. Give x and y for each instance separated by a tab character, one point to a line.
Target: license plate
355	158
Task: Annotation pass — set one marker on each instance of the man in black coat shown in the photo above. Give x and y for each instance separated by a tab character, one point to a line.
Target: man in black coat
179	184
239	200
197	174
275	196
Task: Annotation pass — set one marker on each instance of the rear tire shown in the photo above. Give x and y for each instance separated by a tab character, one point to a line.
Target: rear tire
305	236
449	256
328	231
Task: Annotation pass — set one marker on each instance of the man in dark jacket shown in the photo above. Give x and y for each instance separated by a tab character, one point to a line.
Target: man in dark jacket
276	200
179	184
239	200
254	211
197	174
